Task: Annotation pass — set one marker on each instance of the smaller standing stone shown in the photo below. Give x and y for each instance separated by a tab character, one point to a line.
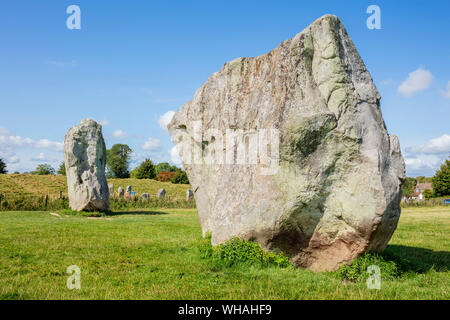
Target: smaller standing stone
145	196
111	188
189	195
121	192
161	194
129	189
85	162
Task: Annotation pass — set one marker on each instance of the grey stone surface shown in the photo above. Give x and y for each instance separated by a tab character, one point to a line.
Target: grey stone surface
128	189
189	195
111	188
85	160
161	194
121	191
145	196
336	192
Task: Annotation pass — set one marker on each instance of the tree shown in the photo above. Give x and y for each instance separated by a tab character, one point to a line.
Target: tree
146	170
441	180
164	167
62	169
423	179
118	160
180	178
420	179
408	186
3	167
427	193
44	169
133	173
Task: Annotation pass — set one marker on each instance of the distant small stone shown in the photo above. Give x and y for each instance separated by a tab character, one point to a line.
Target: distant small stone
161	194
145	196
129	189
111	188
121	192
189	195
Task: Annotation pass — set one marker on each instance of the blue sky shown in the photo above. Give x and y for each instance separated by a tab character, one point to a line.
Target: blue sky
133	61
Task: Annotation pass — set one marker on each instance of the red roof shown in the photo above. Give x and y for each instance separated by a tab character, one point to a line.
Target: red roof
421	187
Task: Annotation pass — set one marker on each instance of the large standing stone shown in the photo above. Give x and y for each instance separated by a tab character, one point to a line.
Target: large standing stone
329	188
85	160
161	194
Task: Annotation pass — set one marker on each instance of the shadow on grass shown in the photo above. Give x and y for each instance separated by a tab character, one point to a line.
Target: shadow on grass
135	212
418	260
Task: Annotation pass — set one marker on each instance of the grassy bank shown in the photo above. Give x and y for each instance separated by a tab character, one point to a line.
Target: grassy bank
28	192
12	185
154	254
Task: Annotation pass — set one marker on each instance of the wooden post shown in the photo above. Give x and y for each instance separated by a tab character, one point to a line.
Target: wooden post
46	201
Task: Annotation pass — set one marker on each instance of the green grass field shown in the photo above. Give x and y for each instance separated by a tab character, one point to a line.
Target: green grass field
154	255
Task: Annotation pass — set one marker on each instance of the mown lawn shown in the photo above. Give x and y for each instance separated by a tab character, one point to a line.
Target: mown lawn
154	255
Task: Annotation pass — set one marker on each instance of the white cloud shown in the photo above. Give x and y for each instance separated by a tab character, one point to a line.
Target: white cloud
13	160
119	134
104	122
446	93
151	144
40	157
421	162
417	80
413	164
135	159
17	152
8	140
45	143
165	119
427	158
433	146
174	156
9	157
13	168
